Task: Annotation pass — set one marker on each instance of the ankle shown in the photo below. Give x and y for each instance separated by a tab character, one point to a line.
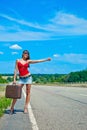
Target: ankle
26	106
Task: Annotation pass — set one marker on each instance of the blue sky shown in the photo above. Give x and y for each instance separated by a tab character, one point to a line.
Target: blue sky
49	28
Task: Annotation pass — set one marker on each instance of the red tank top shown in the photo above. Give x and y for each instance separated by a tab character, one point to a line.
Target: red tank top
23	69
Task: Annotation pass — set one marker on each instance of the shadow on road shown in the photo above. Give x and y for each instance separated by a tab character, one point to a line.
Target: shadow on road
15	111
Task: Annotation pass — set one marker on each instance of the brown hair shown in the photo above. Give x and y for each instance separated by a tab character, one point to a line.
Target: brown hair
26	51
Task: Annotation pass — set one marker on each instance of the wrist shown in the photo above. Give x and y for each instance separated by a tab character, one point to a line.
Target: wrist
14	80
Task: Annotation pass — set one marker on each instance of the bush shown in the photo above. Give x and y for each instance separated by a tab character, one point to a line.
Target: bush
2	80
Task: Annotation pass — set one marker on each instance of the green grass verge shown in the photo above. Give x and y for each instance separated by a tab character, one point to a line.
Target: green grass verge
4	103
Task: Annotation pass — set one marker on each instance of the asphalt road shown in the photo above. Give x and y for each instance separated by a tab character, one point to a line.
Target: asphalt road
59	108
54	108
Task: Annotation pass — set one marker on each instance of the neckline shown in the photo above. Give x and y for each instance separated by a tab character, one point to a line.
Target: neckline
22	64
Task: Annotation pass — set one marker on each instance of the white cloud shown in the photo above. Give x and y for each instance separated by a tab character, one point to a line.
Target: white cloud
24	36
1	53
56	55
60	21
21	21
16	47
67	24
62	18
14	53
61	24
72	58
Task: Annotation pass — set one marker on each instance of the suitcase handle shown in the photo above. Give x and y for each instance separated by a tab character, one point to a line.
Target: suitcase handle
13	83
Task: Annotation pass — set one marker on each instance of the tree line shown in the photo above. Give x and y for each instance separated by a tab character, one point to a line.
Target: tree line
79	76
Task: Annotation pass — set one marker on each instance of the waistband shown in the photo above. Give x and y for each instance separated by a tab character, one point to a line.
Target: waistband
25	77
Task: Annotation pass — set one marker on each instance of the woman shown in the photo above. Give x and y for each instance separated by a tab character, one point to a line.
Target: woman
25	76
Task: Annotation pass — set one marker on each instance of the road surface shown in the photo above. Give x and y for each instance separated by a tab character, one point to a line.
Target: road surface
54	108
59	108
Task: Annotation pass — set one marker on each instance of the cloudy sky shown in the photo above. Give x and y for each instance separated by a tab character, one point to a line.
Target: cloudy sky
47	28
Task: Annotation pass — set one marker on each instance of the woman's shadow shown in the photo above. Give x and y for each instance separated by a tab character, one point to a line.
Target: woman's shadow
7	111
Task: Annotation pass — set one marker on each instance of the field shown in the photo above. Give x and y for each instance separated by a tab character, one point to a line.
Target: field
74	84
84	85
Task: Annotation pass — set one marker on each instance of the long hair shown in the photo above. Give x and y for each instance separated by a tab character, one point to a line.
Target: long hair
26	51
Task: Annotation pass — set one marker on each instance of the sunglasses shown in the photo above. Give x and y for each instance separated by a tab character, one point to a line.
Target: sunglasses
25	53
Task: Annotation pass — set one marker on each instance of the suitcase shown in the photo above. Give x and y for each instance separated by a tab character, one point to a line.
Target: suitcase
13	91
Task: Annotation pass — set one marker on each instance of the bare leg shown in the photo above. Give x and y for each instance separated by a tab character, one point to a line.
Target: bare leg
14	101
28	88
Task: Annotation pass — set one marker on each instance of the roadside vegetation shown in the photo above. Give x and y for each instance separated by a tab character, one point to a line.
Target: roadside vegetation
2	80
4	102
73	77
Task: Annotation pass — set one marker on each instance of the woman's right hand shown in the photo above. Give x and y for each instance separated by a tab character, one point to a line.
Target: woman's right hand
14	82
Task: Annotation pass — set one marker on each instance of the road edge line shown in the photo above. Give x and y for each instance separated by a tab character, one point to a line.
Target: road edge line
31	115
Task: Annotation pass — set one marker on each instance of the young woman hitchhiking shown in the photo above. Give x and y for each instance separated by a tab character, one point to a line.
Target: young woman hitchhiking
25	77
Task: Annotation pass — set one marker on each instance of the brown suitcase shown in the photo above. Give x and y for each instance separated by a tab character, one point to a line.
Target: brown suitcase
13	91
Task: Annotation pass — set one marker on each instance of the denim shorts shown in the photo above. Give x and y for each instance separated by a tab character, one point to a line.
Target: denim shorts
25	80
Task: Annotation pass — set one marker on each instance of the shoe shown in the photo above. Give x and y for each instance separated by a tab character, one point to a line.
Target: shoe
25	110
11	111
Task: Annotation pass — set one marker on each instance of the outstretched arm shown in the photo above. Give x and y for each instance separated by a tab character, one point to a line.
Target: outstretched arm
38	61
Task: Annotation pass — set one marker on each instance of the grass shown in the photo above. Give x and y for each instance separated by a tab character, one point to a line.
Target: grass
4	102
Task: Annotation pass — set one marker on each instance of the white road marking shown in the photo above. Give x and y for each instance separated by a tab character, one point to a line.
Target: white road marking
83	95
31	115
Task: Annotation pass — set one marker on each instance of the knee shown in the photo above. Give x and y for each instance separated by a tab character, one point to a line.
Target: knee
27	92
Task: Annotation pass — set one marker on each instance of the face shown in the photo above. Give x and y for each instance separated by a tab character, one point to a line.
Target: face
25	55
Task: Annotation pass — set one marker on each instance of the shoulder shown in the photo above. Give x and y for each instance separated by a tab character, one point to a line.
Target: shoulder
17	60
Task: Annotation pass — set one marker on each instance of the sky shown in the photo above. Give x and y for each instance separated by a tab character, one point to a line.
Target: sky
46	28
